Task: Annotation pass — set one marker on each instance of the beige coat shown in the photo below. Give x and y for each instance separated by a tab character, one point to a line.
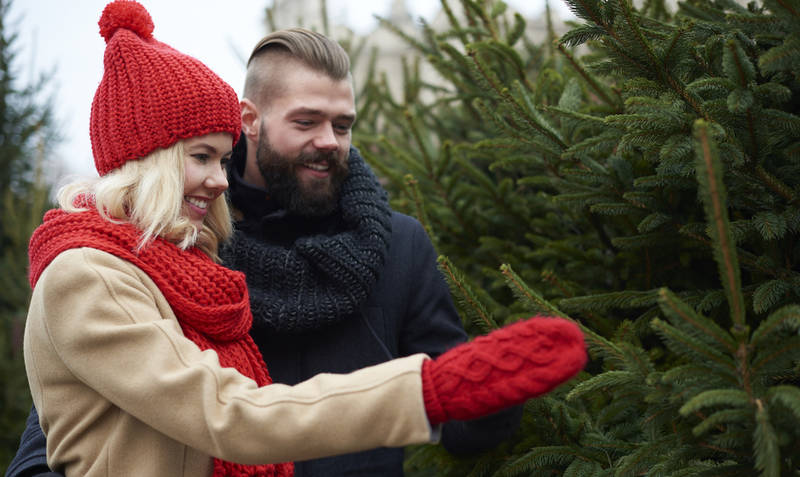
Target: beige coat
121	391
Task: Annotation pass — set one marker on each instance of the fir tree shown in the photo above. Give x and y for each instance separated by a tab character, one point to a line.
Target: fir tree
638	175
26	138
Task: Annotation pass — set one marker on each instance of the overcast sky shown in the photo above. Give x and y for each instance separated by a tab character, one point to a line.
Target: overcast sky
62	36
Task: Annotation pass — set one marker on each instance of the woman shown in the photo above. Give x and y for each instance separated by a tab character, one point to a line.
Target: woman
136	345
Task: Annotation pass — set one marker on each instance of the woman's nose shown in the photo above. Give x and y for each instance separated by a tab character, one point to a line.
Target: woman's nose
217	178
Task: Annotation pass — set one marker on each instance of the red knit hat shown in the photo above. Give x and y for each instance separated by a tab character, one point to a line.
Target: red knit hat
151	95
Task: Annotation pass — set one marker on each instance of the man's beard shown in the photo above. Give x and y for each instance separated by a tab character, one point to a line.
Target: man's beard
313	198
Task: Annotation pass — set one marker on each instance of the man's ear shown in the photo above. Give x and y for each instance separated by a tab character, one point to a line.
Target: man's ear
251	120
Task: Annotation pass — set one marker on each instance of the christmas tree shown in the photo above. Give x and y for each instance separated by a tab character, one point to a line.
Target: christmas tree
27	137
639	175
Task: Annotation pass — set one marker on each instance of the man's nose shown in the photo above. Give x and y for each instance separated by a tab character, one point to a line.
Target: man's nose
326	139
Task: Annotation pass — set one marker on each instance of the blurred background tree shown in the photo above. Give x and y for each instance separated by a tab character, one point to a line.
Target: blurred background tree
27	136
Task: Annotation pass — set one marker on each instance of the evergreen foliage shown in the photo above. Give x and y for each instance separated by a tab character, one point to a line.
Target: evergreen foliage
639	175
26	137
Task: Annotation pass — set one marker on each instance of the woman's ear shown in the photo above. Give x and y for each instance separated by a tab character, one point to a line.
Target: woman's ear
250	119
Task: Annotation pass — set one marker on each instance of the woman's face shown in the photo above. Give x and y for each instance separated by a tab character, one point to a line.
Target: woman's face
205	176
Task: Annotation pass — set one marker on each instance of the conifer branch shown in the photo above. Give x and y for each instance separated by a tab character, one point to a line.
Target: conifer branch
743	71
413	42
441	190
603	382
786	348
455	71
607	349
550	276
512	130
679	309
544	457
551	32
751	130
735	469
626	8
673	336
748	259
456	26
659	66
716	397
787	317
503	93
465	294
419	206
590	80
768	456
788	8
386	172
589	13
775	184
719	419
789	396
486	20
528	294
713	194
679	33
619	49
506	55
470	15
413	192
423	147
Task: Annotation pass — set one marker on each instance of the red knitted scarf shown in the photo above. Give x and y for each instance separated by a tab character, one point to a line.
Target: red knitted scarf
210	301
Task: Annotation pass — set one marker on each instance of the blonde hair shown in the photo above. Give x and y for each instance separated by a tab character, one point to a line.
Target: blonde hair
308	48
148	193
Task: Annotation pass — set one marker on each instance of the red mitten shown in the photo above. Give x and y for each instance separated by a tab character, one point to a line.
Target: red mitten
502	369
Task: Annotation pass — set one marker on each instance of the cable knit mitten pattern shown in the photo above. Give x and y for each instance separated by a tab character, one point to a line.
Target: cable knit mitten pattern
502	369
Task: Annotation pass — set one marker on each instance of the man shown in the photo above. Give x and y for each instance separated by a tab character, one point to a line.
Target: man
337	280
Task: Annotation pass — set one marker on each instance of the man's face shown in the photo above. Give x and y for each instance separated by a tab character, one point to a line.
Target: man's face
304	140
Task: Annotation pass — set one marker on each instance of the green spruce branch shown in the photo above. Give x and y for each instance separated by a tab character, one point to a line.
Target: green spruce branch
412	186
712	191
464	294
529	296
502	92
593	83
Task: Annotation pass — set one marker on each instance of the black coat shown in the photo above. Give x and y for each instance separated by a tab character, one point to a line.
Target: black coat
409	310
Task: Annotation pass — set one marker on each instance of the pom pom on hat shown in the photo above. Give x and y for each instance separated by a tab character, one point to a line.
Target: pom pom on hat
125	14
151	95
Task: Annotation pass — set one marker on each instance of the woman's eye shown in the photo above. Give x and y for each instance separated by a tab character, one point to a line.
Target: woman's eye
200	157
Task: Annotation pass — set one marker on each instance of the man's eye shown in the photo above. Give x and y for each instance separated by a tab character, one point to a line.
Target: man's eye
303	122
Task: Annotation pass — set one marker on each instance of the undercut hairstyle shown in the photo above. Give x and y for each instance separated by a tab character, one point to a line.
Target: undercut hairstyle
148	193
280	48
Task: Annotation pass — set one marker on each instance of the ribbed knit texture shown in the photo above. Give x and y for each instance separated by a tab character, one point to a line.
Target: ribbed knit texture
151	95
210	301
322	278
502	369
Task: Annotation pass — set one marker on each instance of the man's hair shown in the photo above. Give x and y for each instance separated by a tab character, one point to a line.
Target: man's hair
148	193
308	48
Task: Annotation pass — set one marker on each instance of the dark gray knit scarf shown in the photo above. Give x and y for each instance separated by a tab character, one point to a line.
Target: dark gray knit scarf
321	278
